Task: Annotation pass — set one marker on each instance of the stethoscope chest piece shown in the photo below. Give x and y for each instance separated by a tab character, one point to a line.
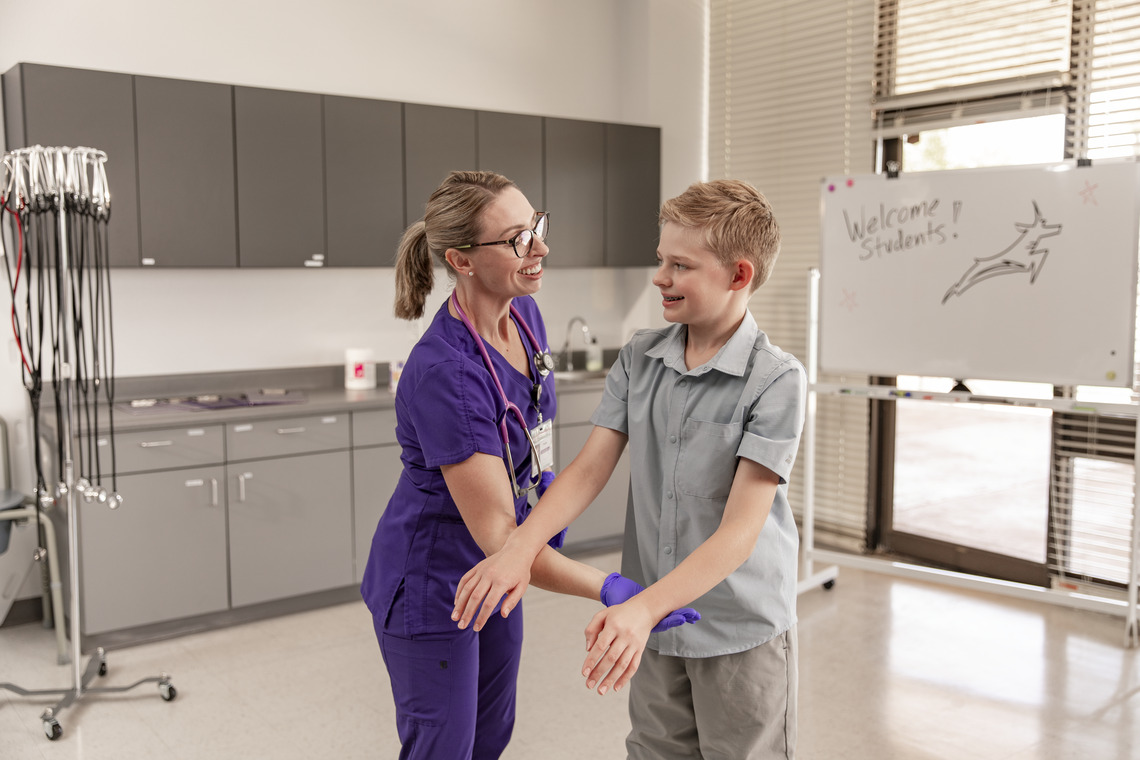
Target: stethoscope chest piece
544	362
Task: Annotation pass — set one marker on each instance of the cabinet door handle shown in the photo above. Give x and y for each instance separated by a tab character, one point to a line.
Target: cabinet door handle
290	431
213	492
241	484
155	444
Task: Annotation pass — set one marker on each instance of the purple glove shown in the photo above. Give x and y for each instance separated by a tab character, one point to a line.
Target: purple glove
544	482
617	589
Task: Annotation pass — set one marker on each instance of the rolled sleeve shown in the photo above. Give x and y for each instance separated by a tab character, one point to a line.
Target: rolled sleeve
774	421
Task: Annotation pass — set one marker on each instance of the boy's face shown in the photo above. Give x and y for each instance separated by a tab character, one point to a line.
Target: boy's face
695	286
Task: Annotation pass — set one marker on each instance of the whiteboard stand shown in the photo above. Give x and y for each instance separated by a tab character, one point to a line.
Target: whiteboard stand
809	577
1079	600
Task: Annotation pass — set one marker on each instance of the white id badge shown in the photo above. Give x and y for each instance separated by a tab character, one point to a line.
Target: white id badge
543	437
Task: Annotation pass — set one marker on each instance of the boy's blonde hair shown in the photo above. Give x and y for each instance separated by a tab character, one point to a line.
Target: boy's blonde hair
735	221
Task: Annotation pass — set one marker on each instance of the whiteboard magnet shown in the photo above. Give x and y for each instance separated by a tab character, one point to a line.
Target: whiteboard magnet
1110	375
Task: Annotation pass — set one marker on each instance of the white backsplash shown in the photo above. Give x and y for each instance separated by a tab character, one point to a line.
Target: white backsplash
177	321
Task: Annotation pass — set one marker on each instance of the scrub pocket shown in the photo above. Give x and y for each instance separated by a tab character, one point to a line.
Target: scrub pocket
452	553
420	672
707	463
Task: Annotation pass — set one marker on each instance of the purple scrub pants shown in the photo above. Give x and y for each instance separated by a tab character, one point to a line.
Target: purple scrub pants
454	690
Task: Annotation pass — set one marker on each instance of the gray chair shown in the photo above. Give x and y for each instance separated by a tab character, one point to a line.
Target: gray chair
14	507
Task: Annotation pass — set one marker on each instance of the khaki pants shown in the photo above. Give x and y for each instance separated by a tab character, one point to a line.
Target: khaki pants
737	706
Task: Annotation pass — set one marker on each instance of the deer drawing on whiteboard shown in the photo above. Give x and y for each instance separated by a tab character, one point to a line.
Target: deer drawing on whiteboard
1023	256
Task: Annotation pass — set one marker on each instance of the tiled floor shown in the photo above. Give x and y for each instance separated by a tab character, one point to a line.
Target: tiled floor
891	669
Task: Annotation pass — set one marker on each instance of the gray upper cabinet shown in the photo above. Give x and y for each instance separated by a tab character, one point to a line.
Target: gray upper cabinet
216	175
63	107
364	180
280	178
511	144
187	216
575	192
633	187
437	141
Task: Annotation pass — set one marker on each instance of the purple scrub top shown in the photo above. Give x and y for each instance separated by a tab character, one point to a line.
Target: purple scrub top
447	408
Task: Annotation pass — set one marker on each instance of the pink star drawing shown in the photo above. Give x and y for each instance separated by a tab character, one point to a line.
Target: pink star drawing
1088	194
848	300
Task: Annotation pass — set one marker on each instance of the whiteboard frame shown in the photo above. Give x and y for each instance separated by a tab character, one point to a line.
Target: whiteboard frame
894	345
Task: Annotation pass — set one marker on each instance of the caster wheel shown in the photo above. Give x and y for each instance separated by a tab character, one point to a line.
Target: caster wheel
168	691
828	585
52	729
102	668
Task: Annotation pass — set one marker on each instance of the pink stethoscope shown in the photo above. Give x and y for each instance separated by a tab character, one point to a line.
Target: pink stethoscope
543	362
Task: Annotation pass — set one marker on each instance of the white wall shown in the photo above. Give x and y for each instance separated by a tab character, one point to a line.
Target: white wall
636	61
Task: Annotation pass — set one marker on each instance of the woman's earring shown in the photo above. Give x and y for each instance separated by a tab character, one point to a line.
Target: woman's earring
470	274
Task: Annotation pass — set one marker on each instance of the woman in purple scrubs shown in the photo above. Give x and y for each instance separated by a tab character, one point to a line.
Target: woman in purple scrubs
457	498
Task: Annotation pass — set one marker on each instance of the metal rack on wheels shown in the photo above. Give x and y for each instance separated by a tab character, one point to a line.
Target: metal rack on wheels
57	204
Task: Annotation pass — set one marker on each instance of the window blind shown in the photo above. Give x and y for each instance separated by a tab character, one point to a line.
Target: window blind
789	94
968	49
997	60
1111	117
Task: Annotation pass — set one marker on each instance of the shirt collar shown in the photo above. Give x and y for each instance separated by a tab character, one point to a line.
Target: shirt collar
731	359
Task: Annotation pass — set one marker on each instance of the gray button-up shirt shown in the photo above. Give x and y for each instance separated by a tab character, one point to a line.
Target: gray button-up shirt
686	429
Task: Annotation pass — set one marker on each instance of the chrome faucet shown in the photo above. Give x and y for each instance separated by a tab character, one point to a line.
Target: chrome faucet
564	356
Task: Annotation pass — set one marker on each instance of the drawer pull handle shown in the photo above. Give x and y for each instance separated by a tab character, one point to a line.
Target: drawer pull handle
198	483
241	484
155	444
290	431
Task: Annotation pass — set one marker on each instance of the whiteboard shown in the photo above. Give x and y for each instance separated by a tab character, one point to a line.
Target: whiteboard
1025	273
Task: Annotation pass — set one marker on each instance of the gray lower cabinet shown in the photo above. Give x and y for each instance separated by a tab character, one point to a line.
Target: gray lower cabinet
160	556
375	471
604	521
376	467
575	192
290	507
290	526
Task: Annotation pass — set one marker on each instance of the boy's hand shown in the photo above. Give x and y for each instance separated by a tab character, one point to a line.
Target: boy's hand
615	640
617	589
507	572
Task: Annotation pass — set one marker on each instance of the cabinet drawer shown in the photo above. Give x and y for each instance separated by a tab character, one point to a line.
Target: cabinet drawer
286	435
165	449
374	428
576	408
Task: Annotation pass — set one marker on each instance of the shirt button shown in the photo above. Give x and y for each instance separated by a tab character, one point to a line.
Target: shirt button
668	549
669	495
672	439
682	383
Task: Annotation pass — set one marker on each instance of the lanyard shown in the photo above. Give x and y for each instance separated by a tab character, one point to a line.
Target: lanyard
543	364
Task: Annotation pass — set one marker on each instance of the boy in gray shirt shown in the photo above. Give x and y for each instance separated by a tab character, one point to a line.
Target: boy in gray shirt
712	413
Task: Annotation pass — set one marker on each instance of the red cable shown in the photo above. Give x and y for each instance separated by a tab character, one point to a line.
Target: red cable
16	282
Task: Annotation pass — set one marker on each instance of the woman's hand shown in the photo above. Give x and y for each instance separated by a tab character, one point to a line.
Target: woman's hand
615	640
507	572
